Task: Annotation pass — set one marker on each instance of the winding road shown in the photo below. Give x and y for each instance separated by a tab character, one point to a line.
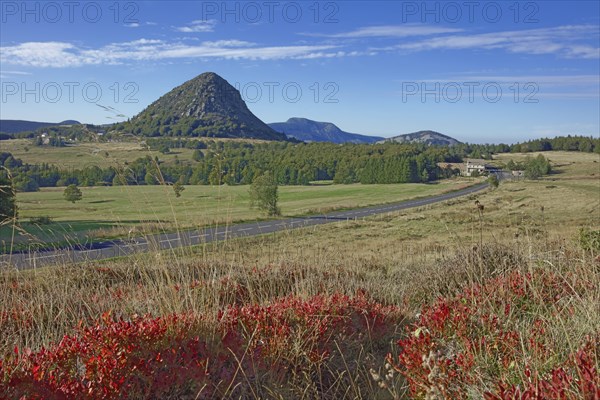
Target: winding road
119	248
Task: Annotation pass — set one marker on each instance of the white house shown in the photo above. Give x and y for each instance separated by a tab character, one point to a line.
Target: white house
476	165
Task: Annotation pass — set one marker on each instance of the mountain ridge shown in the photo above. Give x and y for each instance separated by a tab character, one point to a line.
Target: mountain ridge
431	138
12	126
315	131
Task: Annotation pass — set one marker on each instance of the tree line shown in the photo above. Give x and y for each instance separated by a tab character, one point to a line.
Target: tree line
561	143
238	163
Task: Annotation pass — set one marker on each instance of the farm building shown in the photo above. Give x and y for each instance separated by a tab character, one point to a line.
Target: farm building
477	165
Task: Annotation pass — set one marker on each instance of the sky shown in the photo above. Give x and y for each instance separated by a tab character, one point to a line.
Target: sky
479	71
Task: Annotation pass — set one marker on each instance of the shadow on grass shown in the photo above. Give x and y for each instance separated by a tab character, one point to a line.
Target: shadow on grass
71	235
28	236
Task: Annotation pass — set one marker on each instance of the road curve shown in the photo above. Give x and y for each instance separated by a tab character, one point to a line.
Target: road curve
119	248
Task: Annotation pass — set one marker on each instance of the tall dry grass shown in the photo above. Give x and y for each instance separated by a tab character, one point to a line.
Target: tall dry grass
407	259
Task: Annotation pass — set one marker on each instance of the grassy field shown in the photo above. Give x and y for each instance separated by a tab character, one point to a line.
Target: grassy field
576	164
512	215
85	154
113	211
460	303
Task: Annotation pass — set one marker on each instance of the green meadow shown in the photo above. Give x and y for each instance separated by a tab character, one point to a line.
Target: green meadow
122	211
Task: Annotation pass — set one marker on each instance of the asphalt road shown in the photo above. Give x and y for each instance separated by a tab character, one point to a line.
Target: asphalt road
120	248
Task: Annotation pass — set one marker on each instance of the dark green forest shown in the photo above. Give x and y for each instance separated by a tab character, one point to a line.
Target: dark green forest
237	163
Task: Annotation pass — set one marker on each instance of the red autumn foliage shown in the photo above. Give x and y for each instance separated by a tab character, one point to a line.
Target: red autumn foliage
178	355
578	379
459	341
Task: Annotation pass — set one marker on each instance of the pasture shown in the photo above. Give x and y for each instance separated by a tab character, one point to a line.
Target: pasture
119	211
85	154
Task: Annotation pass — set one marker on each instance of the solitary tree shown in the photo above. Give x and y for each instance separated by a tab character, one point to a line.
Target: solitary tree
535	168
164	149
263	194
178	188
8	206
72	193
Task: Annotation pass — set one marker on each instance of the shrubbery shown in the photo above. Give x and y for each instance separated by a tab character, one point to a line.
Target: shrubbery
181	356
499	336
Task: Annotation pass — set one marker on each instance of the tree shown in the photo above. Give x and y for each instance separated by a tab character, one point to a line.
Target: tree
493	181
8	205
424	176
511	166
216	176
164	149
263	194
535	168
178	188
150	179
26	184
72	193
197	155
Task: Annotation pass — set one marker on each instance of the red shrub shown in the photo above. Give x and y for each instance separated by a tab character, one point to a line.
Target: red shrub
578	379
458	342
176	356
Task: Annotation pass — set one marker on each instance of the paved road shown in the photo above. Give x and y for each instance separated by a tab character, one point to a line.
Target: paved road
119	248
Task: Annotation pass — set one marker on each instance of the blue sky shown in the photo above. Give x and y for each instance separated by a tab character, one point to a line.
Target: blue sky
480	71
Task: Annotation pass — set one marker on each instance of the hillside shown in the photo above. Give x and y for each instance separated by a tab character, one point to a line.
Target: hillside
12	126
206	106
313	131
430	138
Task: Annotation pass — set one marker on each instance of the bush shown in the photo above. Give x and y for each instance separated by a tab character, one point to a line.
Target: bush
493	181
179	356
494	336
589	240
42	220
164	149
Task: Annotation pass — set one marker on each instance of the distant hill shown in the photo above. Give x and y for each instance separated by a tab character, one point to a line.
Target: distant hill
12	126
313	131
204	106
428	137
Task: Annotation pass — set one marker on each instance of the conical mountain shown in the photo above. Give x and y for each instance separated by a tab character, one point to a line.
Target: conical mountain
204	106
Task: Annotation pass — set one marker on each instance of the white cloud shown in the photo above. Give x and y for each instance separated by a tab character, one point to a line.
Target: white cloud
41	54
228	43
60	54
253	53
550	80
563	41
390	31
16	72
198	26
